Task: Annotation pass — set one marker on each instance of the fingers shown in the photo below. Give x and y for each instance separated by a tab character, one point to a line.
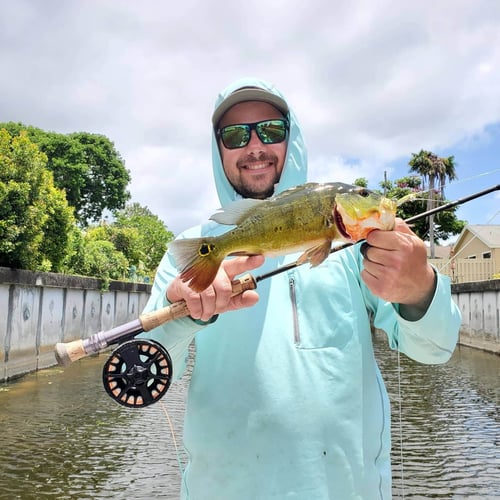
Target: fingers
234	267
395	265
390	240
217	298
402	227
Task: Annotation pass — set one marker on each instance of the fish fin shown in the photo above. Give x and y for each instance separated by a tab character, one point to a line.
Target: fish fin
235	212
198	261
316	255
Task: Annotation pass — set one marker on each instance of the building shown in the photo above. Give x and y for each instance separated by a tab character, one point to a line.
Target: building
477	253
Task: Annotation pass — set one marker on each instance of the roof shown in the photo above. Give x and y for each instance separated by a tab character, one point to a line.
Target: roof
489	234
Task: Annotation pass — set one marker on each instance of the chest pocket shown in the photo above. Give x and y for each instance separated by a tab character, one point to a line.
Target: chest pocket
325	310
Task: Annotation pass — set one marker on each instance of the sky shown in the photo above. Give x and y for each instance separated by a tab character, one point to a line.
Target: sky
371	82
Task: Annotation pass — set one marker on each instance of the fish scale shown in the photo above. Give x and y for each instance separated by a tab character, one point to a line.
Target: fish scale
306	218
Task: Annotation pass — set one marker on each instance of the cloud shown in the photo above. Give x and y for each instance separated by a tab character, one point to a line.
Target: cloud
371	81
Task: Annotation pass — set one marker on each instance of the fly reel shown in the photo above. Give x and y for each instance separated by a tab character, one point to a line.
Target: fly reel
138	373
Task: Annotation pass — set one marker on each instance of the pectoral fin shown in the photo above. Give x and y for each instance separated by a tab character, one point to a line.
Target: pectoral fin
316	255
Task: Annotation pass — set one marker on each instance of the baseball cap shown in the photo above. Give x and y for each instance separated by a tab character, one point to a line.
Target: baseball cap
249	94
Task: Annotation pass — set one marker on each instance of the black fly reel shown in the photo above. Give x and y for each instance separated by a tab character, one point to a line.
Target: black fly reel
138	373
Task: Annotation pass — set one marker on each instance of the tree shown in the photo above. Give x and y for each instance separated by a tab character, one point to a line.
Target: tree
134	244
87	166
100	259
361	182
432	168
35	218
446	222
154	235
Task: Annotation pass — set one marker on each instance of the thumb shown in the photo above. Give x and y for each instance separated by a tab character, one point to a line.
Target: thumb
401	226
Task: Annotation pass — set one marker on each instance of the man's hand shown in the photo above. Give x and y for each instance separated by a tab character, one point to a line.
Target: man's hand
396	269
217	297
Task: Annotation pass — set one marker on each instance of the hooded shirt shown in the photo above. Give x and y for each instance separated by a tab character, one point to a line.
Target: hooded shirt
285	399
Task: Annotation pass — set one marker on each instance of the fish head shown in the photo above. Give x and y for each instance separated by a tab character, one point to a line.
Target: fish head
359	211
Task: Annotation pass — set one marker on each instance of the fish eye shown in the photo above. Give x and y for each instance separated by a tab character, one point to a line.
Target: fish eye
363	192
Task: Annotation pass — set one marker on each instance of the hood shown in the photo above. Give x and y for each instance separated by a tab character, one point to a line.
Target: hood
295	167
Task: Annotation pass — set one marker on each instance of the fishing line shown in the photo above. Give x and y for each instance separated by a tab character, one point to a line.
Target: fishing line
471	178
172	434
400	398
461	181
446	185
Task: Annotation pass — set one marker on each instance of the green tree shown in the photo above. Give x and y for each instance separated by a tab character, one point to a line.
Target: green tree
100	259
138	239
125	240
446	222
154	235
34	216
361	182
434	170
87	166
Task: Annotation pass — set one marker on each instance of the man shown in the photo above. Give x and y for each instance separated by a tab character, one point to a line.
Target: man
286	400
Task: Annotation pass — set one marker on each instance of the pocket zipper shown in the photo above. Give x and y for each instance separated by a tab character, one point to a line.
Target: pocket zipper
293	298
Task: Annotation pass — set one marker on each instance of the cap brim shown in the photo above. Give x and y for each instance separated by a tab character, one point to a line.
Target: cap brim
249	94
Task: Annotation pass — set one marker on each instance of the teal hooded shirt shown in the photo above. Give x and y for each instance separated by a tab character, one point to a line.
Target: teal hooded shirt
286	400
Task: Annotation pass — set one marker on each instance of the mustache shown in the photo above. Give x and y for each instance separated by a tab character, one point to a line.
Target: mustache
251	158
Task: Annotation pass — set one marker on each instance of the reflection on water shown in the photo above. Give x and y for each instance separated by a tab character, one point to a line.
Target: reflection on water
64	438
448	417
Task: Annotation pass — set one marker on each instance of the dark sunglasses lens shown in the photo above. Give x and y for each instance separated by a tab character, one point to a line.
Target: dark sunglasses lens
235	136
272	131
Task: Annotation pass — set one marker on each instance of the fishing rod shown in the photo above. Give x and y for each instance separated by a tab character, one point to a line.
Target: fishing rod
139	371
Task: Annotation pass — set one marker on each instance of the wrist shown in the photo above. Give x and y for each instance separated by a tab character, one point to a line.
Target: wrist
416	309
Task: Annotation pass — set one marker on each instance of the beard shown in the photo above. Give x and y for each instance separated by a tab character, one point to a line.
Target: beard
257	186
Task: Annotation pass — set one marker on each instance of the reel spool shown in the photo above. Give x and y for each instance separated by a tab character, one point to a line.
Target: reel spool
138	373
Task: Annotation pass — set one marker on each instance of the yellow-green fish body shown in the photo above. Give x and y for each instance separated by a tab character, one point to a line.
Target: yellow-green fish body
305	218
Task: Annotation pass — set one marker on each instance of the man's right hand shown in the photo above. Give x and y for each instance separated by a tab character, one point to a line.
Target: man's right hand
217	298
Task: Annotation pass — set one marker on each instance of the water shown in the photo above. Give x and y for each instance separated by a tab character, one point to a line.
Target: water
64	438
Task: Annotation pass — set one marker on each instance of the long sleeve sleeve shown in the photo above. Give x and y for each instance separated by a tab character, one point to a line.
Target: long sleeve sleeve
176	335
432	338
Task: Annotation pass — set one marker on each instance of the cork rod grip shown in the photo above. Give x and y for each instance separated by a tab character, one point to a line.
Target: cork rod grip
179	309
68	352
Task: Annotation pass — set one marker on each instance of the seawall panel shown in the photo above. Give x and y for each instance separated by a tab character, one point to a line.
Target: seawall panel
42	309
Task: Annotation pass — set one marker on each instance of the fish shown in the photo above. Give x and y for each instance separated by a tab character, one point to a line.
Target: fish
306	218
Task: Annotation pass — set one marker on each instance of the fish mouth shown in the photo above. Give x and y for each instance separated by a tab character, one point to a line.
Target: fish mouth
337	217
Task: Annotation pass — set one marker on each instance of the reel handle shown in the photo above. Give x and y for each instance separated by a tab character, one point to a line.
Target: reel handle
68	352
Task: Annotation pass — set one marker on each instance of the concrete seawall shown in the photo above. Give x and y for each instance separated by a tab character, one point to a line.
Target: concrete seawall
479	303
40	309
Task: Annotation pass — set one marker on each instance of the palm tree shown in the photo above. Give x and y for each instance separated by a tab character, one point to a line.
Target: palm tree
433	168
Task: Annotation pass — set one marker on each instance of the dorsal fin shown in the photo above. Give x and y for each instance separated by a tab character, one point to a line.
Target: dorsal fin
235	212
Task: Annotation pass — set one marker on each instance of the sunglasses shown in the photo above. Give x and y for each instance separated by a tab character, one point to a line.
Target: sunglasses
268	131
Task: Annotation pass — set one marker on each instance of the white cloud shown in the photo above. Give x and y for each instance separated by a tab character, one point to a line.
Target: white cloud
370	81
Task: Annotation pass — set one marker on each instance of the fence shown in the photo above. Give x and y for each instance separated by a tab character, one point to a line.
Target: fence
466	270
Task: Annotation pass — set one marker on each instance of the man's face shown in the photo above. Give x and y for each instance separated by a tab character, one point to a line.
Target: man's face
254	169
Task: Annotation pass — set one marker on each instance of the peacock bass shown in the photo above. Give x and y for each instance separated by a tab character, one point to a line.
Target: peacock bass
305	218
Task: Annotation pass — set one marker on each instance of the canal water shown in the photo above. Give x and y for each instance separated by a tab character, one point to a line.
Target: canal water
62	437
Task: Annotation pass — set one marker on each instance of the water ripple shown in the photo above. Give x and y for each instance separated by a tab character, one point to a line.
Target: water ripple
64	438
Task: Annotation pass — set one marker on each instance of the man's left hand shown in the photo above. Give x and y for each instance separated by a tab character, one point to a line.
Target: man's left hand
396	269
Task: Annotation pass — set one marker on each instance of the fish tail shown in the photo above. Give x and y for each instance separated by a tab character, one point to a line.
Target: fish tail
198	261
